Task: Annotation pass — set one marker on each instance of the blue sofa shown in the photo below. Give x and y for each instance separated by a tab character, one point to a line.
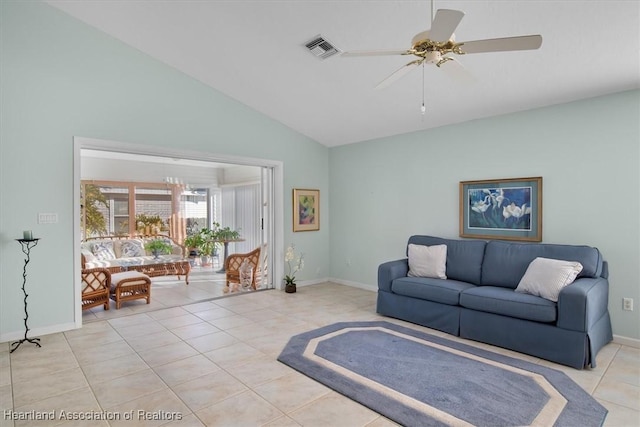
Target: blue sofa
478	301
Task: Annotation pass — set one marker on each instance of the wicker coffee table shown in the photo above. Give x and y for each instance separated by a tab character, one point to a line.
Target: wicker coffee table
161	267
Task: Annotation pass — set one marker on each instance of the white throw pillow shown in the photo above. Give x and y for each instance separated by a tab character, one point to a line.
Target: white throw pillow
546	277
428	261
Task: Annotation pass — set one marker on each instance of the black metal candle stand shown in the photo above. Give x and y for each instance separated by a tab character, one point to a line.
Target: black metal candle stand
27	245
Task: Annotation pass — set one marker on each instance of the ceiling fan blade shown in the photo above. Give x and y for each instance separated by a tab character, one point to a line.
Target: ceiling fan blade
457	72
501	45
376	52
399	73
444	24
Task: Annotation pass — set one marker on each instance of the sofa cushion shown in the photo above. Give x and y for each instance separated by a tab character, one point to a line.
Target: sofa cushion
507	302
436	290
103	250
131	248
464	257
88	255
547	277
506	262
428	261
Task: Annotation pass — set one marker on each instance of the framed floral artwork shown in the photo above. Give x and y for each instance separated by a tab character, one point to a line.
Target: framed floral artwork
306	210
506	209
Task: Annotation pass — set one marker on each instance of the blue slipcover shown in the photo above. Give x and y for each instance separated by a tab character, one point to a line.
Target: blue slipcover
464	258
505	263
478	301
508	303
437	290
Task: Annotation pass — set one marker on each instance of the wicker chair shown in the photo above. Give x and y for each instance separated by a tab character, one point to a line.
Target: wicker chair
95	288
232	267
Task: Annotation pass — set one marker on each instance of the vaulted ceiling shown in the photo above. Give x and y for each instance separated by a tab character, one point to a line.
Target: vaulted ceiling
253	51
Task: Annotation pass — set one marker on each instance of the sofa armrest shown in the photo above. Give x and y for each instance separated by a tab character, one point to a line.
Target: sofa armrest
389	271
582	303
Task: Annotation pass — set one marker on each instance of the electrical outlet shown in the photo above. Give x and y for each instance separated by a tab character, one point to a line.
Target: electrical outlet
348	262
627	304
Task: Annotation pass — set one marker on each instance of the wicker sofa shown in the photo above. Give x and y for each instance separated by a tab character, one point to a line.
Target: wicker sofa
117	251
121	253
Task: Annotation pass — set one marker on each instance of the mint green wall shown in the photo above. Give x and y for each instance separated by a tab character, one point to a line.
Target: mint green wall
60	78
587	153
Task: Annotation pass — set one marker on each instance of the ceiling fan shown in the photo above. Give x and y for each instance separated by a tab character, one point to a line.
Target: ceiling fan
437	45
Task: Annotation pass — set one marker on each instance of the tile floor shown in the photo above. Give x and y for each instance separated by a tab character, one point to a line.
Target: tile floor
167	291
214	362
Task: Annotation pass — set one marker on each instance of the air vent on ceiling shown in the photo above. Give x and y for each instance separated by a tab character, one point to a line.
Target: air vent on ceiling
320	47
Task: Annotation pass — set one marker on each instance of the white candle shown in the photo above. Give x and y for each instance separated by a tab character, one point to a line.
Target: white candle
28	235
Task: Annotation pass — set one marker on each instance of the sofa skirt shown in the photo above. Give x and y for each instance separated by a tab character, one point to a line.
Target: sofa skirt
445	318
546	341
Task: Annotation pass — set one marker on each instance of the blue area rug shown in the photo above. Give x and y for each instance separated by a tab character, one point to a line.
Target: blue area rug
417	379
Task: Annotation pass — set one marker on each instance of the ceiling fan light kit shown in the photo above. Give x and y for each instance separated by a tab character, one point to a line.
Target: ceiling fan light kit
437	45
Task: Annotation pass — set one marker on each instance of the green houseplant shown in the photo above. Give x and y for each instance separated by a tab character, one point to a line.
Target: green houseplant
207	244
226	233
217	235
157	247
192	245
91	198
193	242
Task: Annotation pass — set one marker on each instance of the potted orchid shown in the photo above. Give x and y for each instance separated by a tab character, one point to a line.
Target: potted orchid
298	264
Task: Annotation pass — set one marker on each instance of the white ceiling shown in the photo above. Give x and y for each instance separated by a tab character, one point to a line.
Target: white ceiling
253	52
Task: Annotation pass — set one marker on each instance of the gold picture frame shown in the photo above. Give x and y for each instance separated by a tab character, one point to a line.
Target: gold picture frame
504	209
306	209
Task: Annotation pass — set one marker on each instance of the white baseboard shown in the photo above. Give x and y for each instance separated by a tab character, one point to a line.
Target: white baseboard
617	339
629	342
36	332
339	282
311	282
372	288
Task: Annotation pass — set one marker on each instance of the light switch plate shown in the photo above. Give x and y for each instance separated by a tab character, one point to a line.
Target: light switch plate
47	218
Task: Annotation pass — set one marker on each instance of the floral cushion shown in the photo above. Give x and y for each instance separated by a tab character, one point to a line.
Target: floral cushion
103	251
131	248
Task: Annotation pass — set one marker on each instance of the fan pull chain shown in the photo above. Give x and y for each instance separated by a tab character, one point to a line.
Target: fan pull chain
423	109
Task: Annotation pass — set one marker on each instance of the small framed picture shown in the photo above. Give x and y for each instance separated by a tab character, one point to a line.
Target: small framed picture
506	209
306	210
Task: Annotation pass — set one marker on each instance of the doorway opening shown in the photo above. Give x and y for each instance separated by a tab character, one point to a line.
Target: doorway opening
145	190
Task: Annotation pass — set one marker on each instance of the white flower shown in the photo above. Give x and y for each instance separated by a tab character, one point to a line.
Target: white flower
289	256
514	211
480	207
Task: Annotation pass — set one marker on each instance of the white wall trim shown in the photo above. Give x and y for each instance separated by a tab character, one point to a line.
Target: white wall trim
36	332
339	282
629	342
152	150
310	282
372	288
77	264
617	339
